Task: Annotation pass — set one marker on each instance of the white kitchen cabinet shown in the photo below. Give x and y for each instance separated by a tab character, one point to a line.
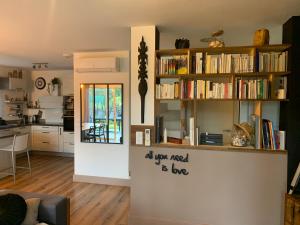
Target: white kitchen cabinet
45	138
68	144
24	130
17	83
61	138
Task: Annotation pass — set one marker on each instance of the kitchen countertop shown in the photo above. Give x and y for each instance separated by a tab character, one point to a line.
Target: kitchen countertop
3	127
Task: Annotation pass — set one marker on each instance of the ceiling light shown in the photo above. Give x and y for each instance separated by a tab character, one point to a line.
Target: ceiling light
39	65
67	55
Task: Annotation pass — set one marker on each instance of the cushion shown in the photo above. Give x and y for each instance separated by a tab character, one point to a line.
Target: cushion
32	211
12	209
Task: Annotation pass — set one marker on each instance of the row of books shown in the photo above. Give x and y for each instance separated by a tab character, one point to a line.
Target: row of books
167	91
223	63
273	61
172	65
213	90
272	139
253	89
229	63
189	89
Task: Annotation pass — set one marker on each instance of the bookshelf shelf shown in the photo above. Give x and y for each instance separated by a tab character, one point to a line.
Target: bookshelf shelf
203	75
220	148
223	99
228	76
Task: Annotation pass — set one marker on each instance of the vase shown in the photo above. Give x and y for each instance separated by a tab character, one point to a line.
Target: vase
55	90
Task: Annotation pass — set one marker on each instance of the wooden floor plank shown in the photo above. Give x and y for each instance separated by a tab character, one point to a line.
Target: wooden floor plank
90	203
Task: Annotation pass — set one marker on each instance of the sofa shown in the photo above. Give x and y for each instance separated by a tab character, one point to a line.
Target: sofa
53	209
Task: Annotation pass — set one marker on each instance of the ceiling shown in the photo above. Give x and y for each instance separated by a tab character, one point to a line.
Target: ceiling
42	30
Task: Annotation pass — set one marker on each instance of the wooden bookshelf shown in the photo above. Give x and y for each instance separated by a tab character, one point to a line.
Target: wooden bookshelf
187	107
220	148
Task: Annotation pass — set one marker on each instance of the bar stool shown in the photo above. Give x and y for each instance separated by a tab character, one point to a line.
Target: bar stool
20	144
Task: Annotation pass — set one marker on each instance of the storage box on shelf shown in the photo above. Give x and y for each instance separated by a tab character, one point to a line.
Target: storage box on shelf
188	78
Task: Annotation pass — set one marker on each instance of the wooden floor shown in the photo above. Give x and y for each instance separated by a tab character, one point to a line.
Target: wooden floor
90	203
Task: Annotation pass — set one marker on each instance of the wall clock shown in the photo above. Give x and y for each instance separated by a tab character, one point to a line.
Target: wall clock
40	83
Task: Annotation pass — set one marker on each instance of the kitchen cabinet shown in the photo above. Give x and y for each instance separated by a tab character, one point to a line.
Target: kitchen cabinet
24	130
68	144
6	132
46	138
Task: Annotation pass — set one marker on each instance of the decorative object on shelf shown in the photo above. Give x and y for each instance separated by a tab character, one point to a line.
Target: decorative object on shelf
55	82
143	86
214	41
242	134
182	43
261	37
40	83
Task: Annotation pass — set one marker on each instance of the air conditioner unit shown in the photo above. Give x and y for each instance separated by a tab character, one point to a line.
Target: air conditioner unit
103	64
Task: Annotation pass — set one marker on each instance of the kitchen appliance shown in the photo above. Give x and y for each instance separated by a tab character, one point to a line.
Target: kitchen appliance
68	117
2	122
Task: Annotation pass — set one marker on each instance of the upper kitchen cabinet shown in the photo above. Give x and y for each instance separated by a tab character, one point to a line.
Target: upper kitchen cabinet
13	79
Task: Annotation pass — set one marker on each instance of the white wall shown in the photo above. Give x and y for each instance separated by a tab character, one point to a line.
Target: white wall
148	32
94	159
222	188
65	76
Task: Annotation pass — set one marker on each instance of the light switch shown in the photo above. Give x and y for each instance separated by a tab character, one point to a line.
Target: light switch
139	138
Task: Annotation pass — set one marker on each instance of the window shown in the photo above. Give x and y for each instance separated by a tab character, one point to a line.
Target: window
101	113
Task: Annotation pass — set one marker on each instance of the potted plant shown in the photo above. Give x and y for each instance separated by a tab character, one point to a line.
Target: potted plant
55	86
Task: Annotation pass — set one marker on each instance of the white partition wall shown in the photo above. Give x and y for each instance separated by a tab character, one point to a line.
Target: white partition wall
95	162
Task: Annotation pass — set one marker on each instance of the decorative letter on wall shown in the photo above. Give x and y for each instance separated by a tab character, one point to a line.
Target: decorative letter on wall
143	87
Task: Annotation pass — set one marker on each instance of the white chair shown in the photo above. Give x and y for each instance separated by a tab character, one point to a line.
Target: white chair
20	144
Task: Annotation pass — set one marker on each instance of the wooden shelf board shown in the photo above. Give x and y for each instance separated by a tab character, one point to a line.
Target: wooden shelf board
19	102
229	49
195	76
268	48
225	99
220	148
173	99
171	52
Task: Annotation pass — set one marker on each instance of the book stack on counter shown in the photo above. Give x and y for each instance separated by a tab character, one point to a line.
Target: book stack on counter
253	89
167	91
187	89
211	139
273	61
173	65
206	89
229	63
272	139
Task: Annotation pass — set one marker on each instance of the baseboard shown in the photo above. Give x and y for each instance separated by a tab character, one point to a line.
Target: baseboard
136	220
101	180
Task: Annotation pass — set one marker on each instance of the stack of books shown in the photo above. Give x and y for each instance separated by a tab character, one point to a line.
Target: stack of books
229	63
253	89
272	139
167	91
216	90
172	65
197	63
187	89
206	89
272	61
